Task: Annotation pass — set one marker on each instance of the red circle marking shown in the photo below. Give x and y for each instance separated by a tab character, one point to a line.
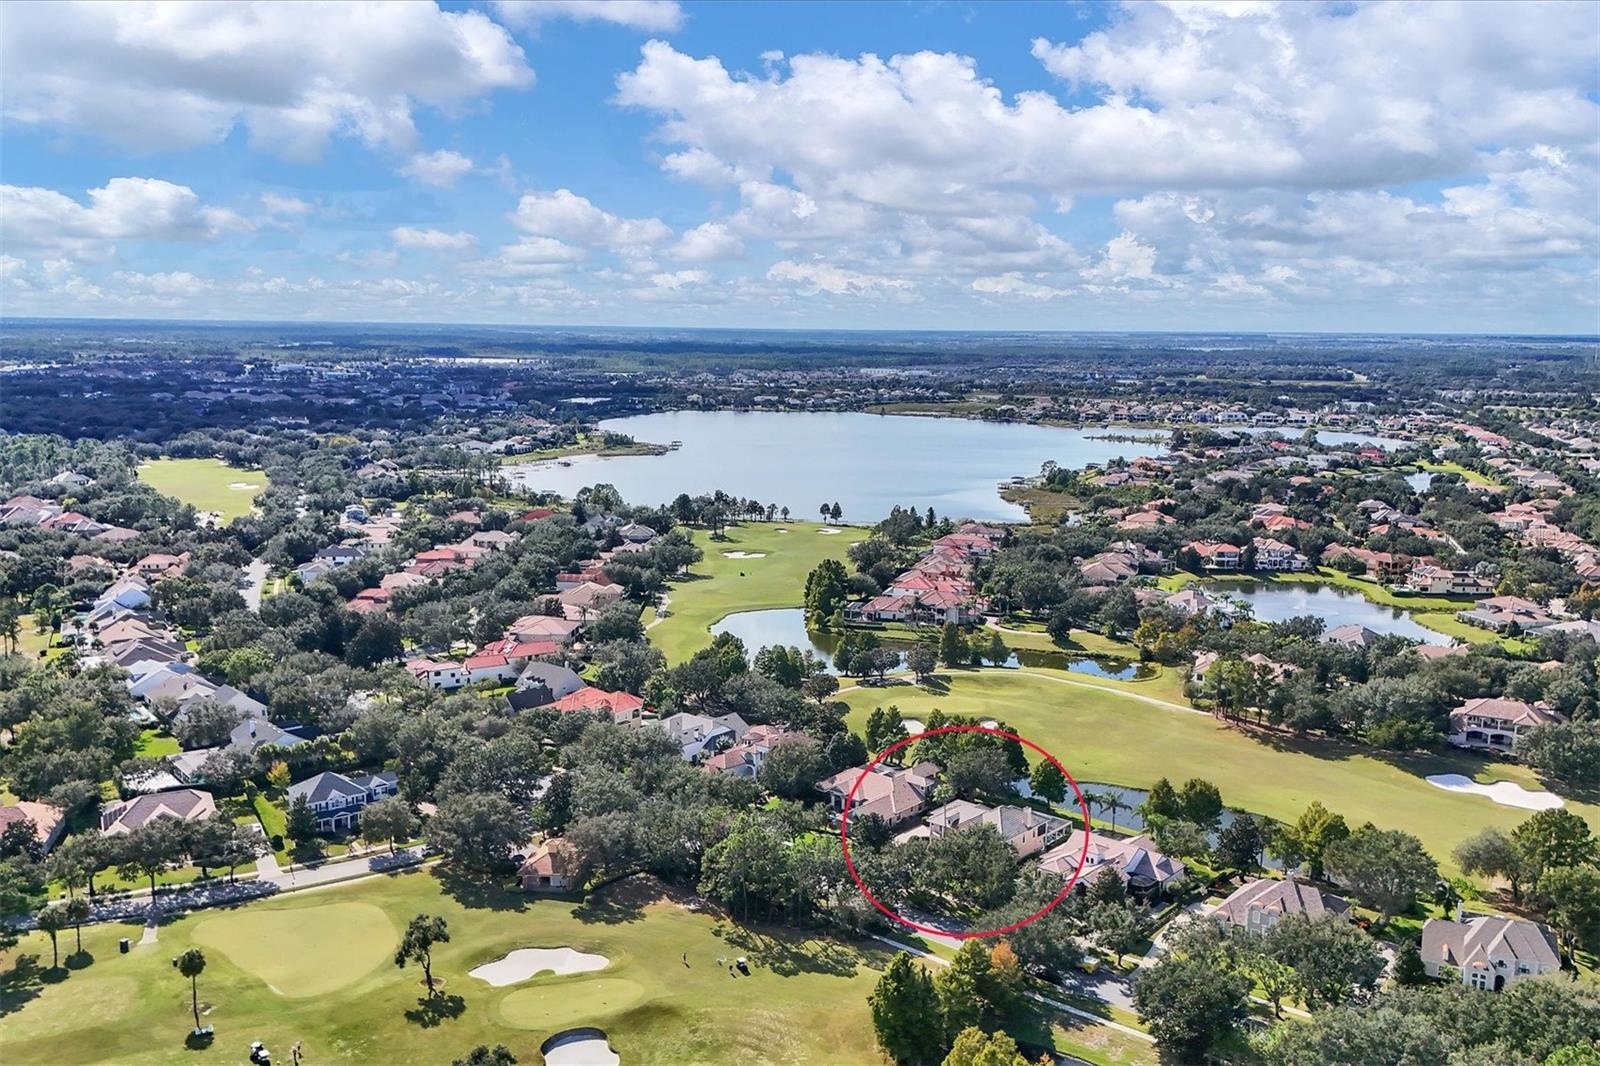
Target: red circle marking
850	798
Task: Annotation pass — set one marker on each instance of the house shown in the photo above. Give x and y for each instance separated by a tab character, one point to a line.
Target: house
624	707
582	601
558	680
1025	829
1135	860
492	539
337	800
1276	555
1214	556
1263	666
1425	579
1257	905
48	821
442	674
634	533
893	793
1488	951
1500	613
749	753
1491	724
489	667
552	867
158	565
184	804
544	627
697	735
1351	636
253	734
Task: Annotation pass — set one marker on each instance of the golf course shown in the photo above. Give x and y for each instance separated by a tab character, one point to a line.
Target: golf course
206	484
771	572
1121	733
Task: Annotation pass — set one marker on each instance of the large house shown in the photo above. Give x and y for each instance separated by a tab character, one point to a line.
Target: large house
184	804
551	867
336	799
1273	554
1257	905
48	821
749	753
1135	861
624	707
1426	579
1025	829
893	793
1488	951
698	735
1500	613
1214	556
1492	724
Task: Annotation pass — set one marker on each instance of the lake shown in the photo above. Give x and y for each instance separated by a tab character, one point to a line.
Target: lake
1335	438
1335	606
786	626
1421	481
866	463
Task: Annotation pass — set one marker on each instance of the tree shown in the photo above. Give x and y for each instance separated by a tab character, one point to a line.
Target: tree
1242	841
997	653
484	1055
1567	752
791	770
922	660
1332	959
1110	801
1188	1004
961	986
1384	868
192	964
149	850
388	821
78	859
52	919
478	830
904	1007
1308	838
1048	782
207	724
1491	853
1161	802
974	1047
1550	839
827	588
377	641
1116	928
1200	802
953	649
301	827
885	728
1409	970
1570	898
417	945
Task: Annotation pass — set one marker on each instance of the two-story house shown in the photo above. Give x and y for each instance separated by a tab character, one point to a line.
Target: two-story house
1492	724
893	793
1025	829
1488	951
336	799
1257	905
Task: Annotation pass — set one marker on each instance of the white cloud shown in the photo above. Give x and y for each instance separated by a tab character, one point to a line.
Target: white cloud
679	279
708	242
432	240
1016	285
278	204
1125	259
654	16
140	209
569	217
441	169
175	75
814	277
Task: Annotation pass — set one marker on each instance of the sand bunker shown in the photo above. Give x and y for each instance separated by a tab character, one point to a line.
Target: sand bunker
745	555
780	529
1505	793
912	726
579	1047
243	486
828	532
523	963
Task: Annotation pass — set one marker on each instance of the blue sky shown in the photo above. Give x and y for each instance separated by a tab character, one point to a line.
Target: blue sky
896	165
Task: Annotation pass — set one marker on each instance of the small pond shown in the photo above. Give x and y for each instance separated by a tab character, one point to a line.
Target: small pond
1127	817
787	626
1335	606
1421	481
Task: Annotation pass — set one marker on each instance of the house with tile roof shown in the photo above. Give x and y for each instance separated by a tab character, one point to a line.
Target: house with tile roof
1494	724
1257	905
1135	860
184	804
893	793
1488	952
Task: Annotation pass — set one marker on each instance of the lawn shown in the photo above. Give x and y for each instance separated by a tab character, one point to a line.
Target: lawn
719	586
206	484
154	744
1472	477
316	967
1103	734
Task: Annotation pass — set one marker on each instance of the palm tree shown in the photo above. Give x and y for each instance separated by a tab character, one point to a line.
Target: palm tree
77	912
52	919
191	963
1108	801
784	511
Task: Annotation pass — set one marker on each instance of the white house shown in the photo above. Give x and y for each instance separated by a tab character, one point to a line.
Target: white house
337	800
1488	951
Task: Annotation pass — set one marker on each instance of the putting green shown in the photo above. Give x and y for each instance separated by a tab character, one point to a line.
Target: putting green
544	1006
303	953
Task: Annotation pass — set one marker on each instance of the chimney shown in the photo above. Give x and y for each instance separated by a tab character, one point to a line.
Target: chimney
1461	913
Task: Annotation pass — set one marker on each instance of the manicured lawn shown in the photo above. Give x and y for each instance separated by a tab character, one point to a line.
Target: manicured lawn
30	642
154	744
1470	476
207	484
315	967
1102	734
715	588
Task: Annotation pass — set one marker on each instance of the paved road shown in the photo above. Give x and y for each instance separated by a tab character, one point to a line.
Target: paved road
255	582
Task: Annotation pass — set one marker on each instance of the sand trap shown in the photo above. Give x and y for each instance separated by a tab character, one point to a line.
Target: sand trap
828	532
913	727
579	1047
1505	793
780	529
745	555
523	963
243	486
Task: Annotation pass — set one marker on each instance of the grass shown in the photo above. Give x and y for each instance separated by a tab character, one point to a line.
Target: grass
719	586
584	445
1472	477
1102	734
206	484
154	744
315	967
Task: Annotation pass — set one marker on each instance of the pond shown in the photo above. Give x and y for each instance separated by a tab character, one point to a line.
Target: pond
787	626
1127	817
1421	481
1335	606
1335	438
865	463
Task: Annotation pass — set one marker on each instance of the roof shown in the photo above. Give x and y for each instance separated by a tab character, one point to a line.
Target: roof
44	817
1514	711
891	792
330	785
188	804
1135	859
1480	939
1280	897
595	699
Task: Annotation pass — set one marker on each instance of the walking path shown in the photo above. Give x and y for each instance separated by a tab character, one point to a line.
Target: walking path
255	582
152	930
661	612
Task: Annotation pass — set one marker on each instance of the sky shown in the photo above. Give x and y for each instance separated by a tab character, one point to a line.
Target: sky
1210	165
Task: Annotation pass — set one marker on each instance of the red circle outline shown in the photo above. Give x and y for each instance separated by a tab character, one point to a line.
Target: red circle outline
850	797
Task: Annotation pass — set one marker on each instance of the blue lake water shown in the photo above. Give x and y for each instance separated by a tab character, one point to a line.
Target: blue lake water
865	463
1335	606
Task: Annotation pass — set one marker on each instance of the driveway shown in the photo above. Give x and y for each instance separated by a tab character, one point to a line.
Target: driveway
255	582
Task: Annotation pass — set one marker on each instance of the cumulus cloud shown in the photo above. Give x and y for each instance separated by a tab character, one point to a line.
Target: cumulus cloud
566	216
441	169
176	75
816	277
279	204
708	242
135	209
653	16
431	240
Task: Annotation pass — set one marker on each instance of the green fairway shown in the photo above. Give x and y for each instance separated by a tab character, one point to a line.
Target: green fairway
1106	734
715	587
206	484
316	967
306	952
